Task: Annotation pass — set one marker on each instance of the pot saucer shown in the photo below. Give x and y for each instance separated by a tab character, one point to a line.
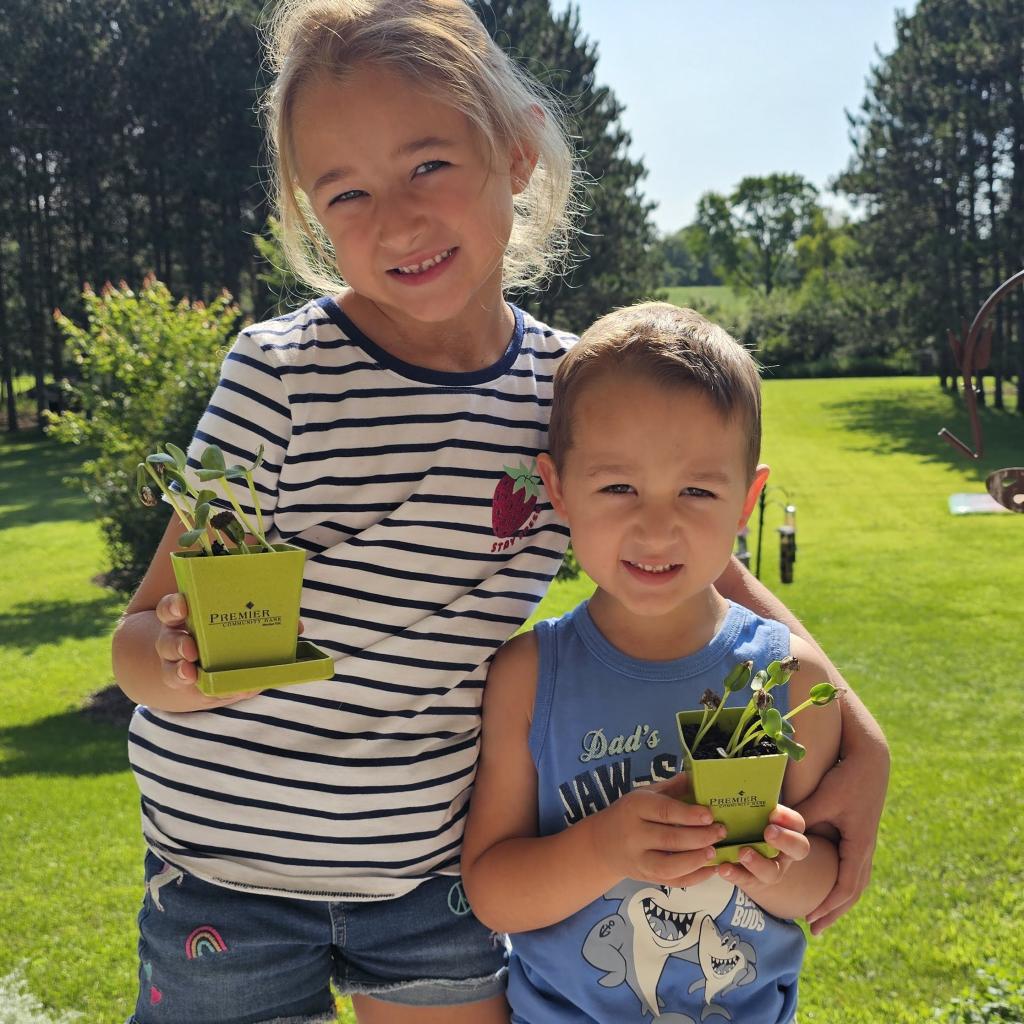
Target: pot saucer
310	665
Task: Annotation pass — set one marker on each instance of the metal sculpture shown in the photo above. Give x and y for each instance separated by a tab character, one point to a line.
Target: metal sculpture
972	353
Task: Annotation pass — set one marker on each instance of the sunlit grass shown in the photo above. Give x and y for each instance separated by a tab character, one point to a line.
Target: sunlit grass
921	610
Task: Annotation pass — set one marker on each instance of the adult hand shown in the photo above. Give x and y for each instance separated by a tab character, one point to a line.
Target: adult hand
849	799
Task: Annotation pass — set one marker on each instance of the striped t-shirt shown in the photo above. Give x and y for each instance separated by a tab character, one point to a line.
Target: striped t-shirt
424	556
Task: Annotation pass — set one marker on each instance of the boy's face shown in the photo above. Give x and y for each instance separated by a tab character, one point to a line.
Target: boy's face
654	489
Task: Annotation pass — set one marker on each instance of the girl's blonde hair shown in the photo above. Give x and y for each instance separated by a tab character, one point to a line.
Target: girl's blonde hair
442	46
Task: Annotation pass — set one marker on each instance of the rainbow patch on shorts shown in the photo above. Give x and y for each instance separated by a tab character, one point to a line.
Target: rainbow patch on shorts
204	940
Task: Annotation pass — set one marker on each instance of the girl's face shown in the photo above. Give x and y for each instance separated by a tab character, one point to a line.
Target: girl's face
654	489
418	212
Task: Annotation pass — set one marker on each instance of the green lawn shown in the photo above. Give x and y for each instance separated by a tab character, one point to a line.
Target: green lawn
920	609
717	301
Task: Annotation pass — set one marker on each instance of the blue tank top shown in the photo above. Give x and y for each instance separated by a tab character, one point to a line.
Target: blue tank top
603	724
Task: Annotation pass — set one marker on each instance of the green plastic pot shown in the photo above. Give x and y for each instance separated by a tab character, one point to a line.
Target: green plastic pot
243	610
741	792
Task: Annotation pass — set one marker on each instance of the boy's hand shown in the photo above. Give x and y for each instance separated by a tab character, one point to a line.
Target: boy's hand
178	653
652	836
755	872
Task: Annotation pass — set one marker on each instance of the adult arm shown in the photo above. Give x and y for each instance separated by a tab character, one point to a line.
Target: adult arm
793	886
851	795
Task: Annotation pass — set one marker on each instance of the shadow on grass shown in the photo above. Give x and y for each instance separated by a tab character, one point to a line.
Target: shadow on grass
65	744
909	423
31	624
33	470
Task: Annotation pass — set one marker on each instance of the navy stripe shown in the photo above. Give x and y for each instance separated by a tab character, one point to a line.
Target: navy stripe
322	455
273	750
400	632
227	797
221	768
362	654
255	396
246	424
198	849
394	421
372	393
307	729
277	833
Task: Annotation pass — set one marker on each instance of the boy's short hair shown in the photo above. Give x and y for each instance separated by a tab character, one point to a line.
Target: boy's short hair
673	346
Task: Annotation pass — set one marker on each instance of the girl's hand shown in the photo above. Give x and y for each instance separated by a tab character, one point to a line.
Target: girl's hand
754	872
179	654
651	835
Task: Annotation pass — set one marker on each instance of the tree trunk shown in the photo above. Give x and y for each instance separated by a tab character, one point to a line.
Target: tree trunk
5	357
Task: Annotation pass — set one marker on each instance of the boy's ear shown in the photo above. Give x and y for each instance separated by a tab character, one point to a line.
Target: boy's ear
552	484
753	493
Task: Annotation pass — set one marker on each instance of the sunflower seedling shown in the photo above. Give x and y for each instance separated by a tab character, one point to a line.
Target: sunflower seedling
213	531
760	728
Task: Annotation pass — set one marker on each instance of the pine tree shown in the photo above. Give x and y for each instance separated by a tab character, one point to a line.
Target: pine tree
617	258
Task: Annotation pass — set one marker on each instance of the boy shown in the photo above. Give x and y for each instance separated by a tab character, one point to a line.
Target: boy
577	843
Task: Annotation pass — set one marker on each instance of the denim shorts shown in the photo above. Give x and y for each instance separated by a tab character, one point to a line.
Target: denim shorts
212	955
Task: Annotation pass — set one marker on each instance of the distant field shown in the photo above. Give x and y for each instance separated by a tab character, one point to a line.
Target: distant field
714	300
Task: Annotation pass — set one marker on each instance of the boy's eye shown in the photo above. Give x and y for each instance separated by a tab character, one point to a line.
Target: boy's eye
428	166
618	489
697	492
344	197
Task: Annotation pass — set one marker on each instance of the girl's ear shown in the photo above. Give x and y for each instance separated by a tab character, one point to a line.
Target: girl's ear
552	484
524	157
753	493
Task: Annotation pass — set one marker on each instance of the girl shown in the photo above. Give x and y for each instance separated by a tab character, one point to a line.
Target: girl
313	833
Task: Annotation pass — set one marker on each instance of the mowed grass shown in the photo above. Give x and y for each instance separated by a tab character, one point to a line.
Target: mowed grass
717	301
920	609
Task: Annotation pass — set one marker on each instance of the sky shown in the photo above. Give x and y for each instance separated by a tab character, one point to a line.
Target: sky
716	90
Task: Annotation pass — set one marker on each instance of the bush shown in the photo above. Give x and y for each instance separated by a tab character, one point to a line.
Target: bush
146	366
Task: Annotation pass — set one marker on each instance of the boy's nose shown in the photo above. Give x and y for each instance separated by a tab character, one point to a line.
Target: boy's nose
655	524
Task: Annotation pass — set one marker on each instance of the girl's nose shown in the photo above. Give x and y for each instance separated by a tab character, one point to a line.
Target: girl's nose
400	224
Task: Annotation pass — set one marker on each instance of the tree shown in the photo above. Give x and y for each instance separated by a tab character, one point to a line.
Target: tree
938	170
617	258
751	234
687	261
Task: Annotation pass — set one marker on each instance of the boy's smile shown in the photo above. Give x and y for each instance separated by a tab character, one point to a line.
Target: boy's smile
654	487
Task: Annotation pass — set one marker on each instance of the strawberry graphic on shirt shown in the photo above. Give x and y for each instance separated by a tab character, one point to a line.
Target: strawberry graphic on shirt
514	499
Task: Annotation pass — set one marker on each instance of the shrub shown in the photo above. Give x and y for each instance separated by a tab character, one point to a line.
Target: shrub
146	366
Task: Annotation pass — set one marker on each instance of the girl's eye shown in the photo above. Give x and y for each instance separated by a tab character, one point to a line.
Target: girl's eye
428	166
344	197
617	489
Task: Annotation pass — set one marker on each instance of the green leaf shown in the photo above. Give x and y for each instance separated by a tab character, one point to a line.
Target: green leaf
259	459
823	693
190	539
204	497
213	458
234	473
158	458
202	516
209	474
771	722
791	748
178	455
